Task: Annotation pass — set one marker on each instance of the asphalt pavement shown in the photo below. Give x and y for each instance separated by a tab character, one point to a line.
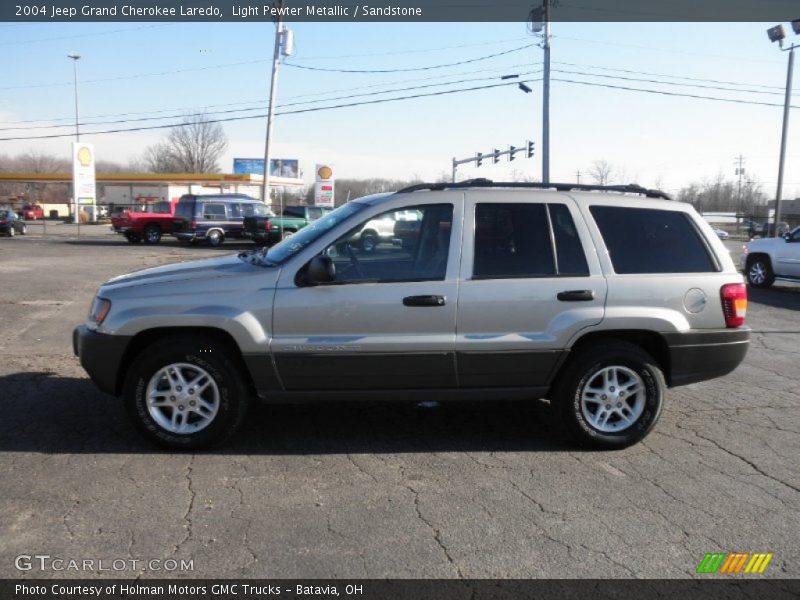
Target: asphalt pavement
474	490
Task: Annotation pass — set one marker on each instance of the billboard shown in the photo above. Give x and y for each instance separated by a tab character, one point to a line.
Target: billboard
323	186
83	182
278	167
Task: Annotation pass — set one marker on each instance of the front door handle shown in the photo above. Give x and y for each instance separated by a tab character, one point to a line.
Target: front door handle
576	296
424	301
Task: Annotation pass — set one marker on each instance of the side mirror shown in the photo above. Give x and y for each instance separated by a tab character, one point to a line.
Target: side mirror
320	270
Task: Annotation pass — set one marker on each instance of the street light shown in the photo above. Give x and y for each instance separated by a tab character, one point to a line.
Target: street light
75	58
777	34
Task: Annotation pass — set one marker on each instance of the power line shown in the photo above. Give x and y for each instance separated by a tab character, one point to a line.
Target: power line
417	51
83	35
678	94
220	112
497	71
410	69
291	112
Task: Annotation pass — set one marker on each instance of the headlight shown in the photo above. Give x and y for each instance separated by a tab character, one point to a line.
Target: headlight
99	310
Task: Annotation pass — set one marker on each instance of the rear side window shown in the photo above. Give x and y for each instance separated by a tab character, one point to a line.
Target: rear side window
512	240
643	240
214	211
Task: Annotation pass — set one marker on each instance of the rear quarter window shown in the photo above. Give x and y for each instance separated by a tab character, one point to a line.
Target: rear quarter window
644	240
185	209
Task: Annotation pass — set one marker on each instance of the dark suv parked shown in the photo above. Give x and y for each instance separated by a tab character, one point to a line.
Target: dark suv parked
214	217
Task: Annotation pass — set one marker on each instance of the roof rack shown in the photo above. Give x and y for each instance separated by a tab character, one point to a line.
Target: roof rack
631	188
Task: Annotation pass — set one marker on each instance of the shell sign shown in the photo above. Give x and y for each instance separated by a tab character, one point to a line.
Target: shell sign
323	187
83	176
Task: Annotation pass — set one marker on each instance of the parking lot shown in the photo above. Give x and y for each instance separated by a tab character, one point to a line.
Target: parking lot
477	490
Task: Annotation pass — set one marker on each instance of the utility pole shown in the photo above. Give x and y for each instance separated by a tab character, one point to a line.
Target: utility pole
578	175
546	96
75	58
273	89
740	173
786	105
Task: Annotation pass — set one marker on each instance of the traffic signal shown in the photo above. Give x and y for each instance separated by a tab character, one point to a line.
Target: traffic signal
530	149
495	156
511	151
479	159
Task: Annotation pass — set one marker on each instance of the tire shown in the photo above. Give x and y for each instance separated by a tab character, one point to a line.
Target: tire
152	234
11	231
586	418
191	357
758	271
368	242
24	230
215	238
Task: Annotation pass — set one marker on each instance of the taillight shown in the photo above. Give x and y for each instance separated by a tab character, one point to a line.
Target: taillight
734	303
3	222
193	224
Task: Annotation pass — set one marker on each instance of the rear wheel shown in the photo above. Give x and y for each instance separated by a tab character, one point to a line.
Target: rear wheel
152	234
610	394
215	238
759	272
186	393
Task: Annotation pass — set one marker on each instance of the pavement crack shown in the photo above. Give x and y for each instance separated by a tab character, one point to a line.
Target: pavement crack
187	515
437	534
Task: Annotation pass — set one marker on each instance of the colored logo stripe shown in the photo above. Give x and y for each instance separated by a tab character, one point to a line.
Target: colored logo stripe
711	562
722	562
758	563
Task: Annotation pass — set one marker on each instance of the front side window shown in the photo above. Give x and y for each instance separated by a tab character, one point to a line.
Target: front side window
385	248
214	211
645	240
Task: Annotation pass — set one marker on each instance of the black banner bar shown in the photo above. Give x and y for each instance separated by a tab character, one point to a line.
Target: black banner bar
778	11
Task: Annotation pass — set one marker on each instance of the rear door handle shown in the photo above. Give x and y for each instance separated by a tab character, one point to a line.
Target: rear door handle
576	296
424	301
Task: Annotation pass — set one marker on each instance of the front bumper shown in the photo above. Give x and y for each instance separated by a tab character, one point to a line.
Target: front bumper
699	355
101	356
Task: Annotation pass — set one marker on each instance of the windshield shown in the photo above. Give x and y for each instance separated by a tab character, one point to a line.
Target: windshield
311	232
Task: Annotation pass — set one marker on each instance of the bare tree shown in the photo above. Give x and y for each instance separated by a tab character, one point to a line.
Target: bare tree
601	172
195	146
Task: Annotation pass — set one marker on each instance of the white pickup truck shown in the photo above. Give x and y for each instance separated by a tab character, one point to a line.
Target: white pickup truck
768	259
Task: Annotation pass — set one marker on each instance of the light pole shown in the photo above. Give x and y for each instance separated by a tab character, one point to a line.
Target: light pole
777	34
540	22
283	47
75	58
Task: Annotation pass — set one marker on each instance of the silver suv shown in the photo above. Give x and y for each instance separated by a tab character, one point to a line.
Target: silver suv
596	298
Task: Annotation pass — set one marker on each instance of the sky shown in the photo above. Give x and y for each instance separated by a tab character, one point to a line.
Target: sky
143	71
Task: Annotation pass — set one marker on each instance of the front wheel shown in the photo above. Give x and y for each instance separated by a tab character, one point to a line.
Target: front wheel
11	231
132	238
610	394
186	393
152	234
24	230
215	238
759	272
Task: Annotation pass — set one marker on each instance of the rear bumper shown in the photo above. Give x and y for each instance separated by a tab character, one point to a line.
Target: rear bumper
101	356
699	355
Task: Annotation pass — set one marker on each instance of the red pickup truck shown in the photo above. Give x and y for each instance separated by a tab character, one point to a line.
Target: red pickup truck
148	222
